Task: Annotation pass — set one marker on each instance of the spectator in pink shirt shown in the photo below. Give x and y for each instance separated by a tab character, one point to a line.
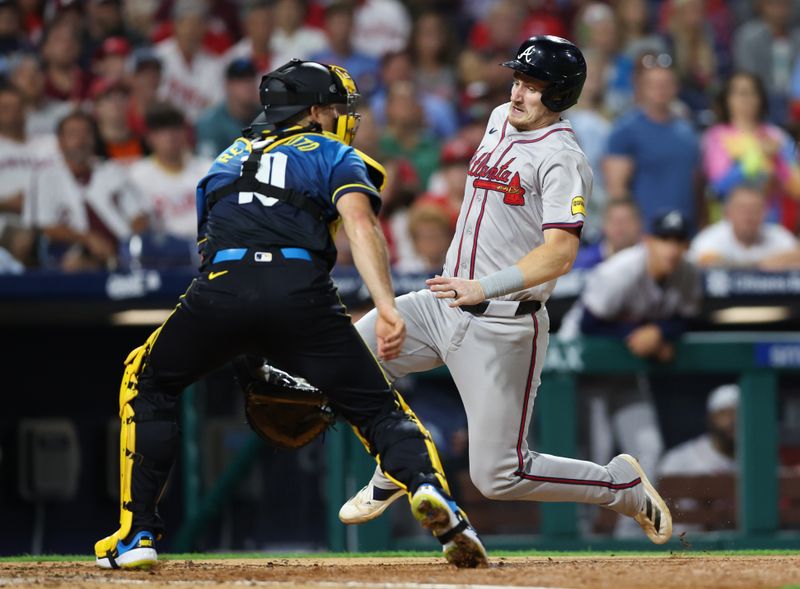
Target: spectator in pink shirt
743	147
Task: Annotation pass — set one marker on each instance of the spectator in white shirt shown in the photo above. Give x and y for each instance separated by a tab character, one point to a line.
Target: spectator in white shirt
743	239
82	206
713	452
709	454
19	152
382	26
42	112
192	78
291	38
257	24
167	179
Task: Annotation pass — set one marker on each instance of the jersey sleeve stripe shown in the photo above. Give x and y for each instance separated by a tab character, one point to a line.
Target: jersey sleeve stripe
367	189
574	225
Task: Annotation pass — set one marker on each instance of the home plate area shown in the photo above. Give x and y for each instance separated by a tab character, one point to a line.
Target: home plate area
677	570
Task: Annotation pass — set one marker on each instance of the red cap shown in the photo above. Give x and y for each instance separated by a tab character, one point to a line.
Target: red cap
102	86
456	151
113	46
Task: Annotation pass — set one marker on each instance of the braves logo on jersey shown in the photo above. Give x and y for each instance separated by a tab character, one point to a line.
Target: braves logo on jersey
498	178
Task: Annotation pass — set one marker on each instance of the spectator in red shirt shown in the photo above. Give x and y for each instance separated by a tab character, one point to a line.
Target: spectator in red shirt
64	79
103	19
544	18
31	19
117	141
501	31
145	80
111	58
448	184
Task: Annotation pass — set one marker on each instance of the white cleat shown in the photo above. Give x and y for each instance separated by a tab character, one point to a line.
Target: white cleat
364	506
655	518
460	543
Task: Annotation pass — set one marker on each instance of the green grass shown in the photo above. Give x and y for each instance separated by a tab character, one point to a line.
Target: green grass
492	554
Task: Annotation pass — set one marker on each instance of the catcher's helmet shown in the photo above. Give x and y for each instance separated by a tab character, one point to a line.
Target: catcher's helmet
298	85
556	61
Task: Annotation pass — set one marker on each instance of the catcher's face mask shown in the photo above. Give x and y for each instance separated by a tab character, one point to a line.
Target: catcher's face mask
345	124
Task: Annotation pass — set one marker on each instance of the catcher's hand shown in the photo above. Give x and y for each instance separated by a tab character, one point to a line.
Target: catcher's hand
286	411
390	330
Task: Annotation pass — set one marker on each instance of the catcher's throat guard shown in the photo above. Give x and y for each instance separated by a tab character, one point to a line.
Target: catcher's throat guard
284	410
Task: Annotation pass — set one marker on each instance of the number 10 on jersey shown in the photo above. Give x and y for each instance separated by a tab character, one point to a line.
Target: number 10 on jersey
271	170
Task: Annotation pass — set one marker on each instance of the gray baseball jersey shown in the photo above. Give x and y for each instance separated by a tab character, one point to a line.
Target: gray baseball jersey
519	185
620	289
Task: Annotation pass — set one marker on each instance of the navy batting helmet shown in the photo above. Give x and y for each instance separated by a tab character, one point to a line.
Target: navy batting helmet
556	61
298	85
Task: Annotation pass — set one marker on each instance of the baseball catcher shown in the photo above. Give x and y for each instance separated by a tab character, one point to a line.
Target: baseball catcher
266	212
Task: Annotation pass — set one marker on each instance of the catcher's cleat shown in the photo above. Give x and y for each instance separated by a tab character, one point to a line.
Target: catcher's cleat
138	553
368	503
460	542
655	518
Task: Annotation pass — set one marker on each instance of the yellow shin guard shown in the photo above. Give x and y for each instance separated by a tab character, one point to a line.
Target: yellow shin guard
127	442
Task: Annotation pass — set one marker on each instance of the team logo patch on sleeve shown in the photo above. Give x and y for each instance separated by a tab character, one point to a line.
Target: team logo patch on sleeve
578	206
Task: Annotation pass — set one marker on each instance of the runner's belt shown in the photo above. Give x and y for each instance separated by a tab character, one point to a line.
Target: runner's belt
524	308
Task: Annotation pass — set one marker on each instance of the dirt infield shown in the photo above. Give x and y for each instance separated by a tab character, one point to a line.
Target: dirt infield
676	571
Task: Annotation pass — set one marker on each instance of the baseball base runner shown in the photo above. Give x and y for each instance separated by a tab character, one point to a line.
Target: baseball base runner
485	318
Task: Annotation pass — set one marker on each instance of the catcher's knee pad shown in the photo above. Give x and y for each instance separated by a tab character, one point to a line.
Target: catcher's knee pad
144	463
403	447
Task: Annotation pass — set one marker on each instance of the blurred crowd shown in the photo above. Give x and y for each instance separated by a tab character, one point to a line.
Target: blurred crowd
111	110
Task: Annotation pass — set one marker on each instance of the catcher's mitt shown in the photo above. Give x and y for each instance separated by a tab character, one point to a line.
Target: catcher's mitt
286	411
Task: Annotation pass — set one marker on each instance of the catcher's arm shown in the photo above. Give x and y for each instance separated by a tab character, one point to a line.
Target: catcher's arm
371	257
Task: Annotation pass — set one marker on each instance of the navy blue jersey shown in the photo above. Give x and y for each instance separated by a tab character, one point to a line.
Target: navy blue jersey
316	164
